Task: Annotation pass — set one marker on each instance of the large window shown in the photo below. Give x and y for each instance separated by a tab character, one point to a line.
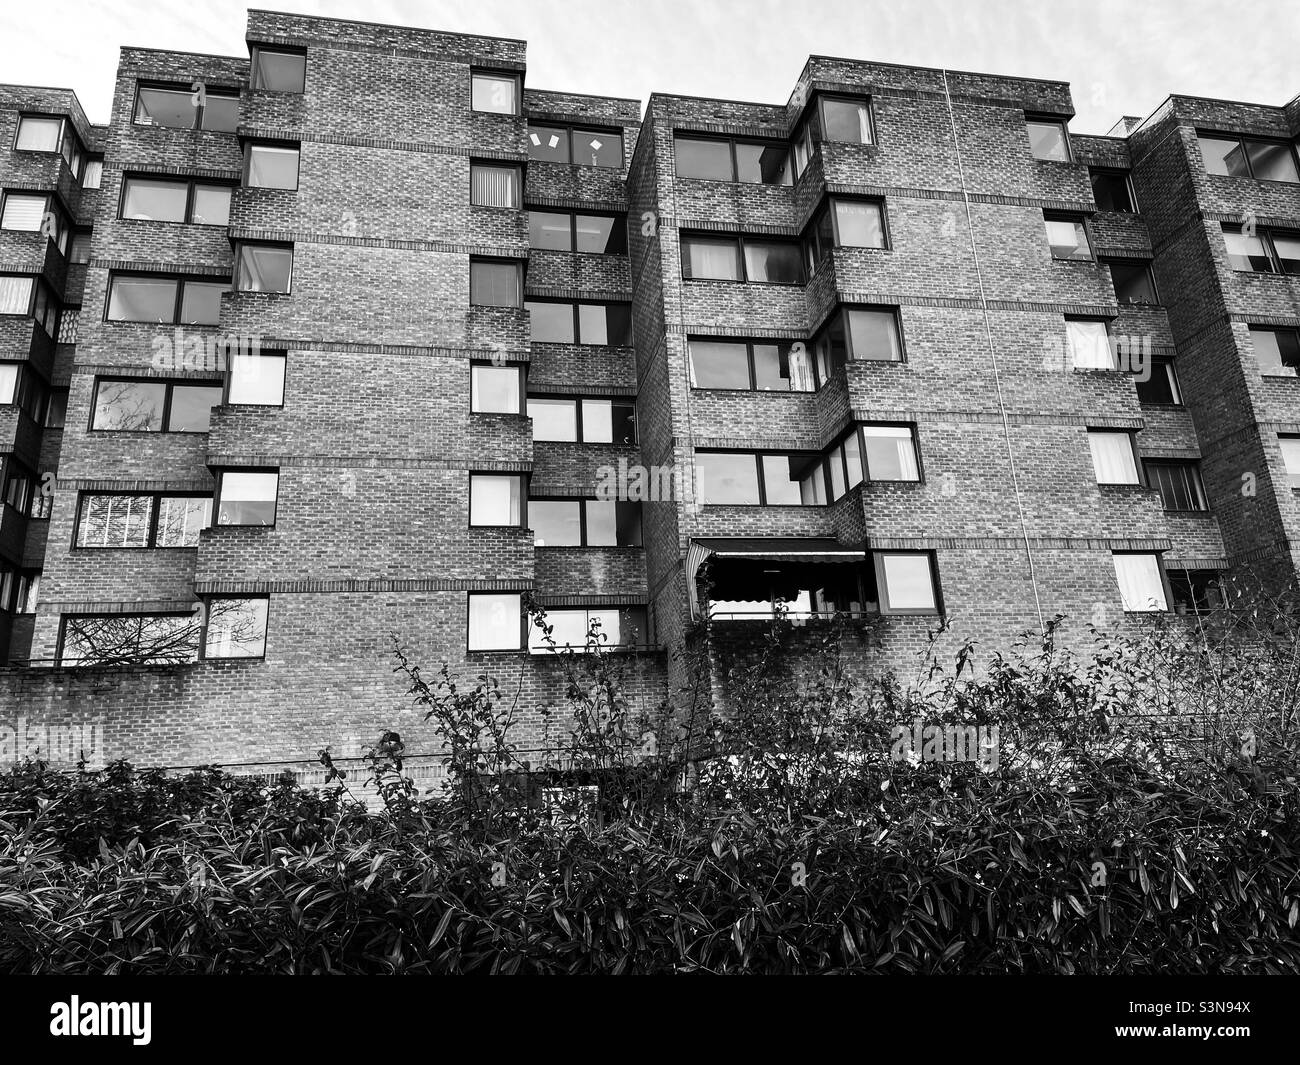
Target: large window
496	389
580	629
164	300
1048	139
495	282
755	365
1134	282
1248	157
39	133
1194	591
494	92
137	521
590	421
1265	252
1141	586
496	622
36	213
845	224
496	499
1277	351
161	200
213	110
145	405
599	234
493	185
1067	236
907	582
563	322
257	380
1112	190
756	259
863	334
247	497
761	478
278	70
831	118
575	144
269	165
263	268
755	162
236	627
1160	389
128	639
1114	459
1179	484
1089	343
19	589
584	523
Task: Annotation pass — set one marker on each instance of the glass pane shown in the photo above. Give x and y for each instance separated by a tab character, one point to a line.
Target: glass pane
211	205
1139	582
248	498
1272	162
613	524
1089	345
765	164
181	519
26	213
201	302
494	284
494	389
1110	191
548	143
1288	253
550	231
115	521
494	499
220	114
1291	457
80	250
1133	282
860	224
874	335
191	410
236	628
569	629
1247	252
782	475
38	134
272	168
846	120
711	259
135	639
279	71
15	295
494	186
709	159
554	419
601	234
1068	238
257	380
1047	141
262	268
550	322
1160	387
776	263
1112	457
853	466
495	622
727	477
94	174
1223	156
165	107
557	522
719	364
597	148
1277	351
618	324
1178	483
142	299
494	93
129	406
593	324
891	453
908	583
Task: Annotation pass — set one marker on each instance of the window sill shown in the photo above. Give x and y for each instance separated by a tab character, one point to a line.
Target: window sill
1207	513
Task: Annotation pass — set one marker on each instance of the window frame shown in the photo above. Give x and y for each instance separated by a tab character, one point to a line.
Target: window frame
246	162
578	400
225	92
1192	476
520	267
191	192
740	239
281	245
65	618
180	280
524	622
882	585
573	216
1292	331
514	76
1215	589
1167	363
569	129
1265	236
1164	581
168	383
1124	175
255	51
811	241
732	142
1242	139
1113	366
498	164
522	478
1070	216
583	521
758	457
282	354
575	306
1047	119
63	121
1146	264
751	362
218	492
1138	478
155	498
605	645
61	238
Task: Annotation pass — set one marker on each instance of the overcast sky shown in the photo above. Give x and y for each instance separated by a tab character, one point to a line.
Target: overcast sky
1120	56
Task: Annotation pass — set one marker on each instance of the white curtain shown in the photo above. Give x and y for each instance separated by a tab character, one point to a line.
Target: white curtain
713	259
494	186
494	622
1140	586
1112	458
24	212
15	295
1090	346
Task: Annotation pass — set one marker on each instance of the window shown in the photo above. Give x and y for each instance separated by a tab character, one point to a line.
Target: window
1195	591
39	133
1179	484
1134	282
1161	387
257	380
19	485
756	365
24	211
561	144
1234	156
1048	139
263	268
561	322
1291	458
591	421
496	499
907	582
1141	587
79	250
212	110
571	231
496	389
845	224
1276	350
137	521
495	283
741	259
492	185
495	93
128	639
1067	237
21	387
19	589
866	334
831	118
580	628
279	71
236	628
584	523
57	411
247	497
1266	252
164	300
761	479
1113	458
271	166
496	622
1089	343
15	294
159	200
754	162
93	174
1112	190
888	451
147	405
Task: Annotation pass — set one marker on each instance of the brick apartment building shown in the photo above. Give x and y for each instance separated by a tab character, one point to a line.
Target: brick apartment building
359	336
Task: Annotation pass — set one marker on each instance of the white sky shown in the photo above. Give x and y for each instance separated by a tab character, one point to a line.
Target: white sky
1120	56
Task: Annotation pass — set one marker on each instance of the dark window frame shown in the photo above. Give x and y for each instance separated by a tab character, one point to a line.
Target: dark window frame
1192	476
1242	139
811	127
151	539
575	305
64	225
751	363
882	585
169	383
520	267
246	162
239	245
520	368
731	142
740	239
223	92
644	642
810	239
219	489
758	457
524	622
1182	575
522	478
205	630
1047	119
191	184
275	49
1126	176
1164	582
582	502
840	316
31	391
181	281
503	75
573	216
498	164
1133	447
1146	264
61	645
1265	236
1166	363
1071	216
578	399
1293	331
569	129
268	353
